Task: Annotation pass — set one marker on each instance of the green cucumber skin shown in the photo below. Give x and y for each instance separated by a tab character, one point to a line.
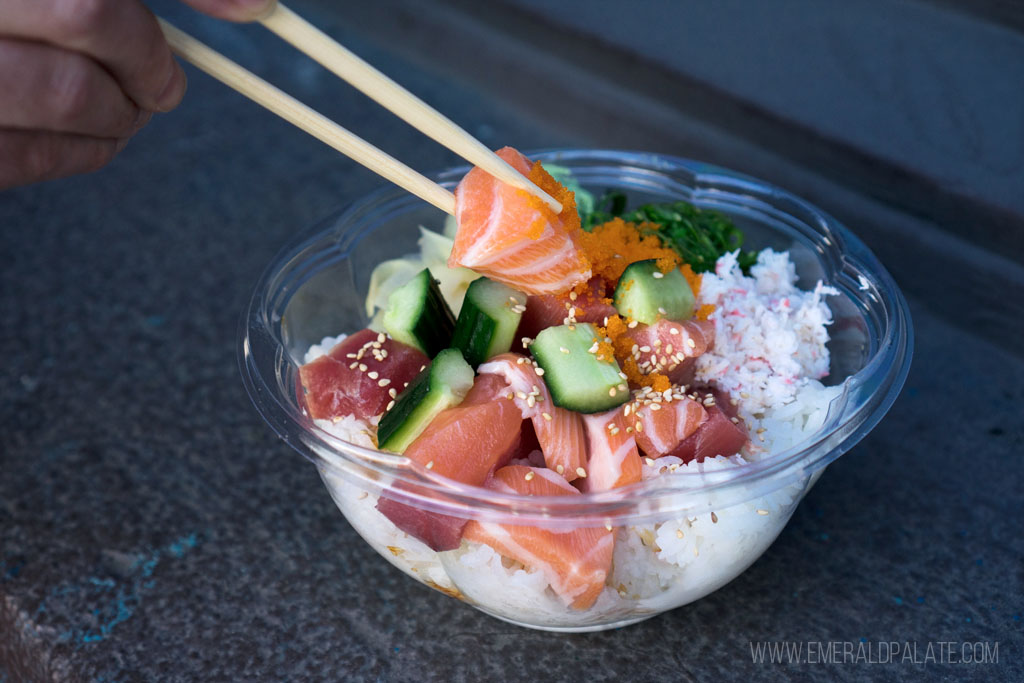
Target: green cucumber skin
443	384
639	295
481	332
431	330
566	375
389	436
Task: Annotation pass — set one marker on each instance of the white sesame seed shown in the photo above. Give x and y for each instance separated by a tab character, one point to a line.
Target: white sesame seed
354	365
679	533
539	371
531	401
581	472
615	430
655	406
546	416
362	495
382	337
632	324
650	462
430	465
611	392
657	275
689	342
521	395
529	476
559	469
383	382
563	349
372	374
645	349
607	526
662	311
572	296
762	512
639	427
391	404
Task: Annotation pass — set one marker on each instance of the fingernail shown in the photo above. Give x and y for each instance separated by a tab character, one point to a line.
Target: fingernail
257	9
141	119
173	91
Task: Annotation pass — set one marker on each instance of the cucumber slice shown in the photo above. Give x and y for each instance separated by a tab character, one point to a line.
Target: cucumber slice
645	294
418	315
576	377
442	385
488	320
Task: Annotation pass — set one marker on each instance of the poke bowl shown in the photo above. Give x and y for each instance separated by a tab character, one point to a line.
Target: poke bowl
685	525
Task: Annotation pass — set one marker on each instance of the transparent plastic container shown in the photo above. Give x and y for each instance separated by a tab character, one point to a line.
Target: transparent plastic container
677	537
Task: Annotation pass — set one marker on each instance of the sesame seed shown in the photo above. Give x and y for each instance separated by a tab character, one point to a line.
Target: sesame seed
422	368
622	387
520	361
734	420
696	553
572	296
655	406
430	465
521	395
744	394
351	355
383	382
645	349
679	533
625	411
611	392
362	495
546	416
669	349
354	365
362	367
639	427
539	371
629	430
531	401
650	462
762	512
615	430
581	472
608	526
391	404
632	324
657	275
373	374
563	349
392	393
714	517
529	476
662	311
689	342
381	338
510	396
559	469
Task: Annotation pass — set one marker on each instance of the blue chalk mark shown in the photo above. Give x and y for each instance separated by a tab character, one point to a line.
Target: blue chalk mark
183	545
155	320
968	620
920	600
118	598
863	640
898	600
979	562
824	537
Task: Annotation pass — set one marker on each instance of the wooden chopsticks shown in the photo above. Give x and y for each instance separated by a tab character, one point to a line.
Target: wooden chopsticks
365	78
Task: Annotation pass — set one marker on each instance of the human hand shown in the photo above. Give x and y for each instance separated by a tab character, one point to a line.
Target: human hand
80	77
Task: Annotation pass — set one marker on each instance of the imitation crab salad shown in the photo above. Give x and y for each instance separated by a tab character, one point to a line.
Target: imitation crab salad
540	354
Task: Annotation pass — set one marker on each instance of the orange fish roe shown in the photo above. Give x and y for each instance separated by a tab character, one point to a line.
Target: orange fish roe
692	278
567	198
704	312
621	348
612	246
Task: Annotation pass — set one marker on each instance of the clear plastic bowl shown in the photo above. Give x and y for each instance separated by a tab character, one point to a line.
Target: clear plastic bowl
679	536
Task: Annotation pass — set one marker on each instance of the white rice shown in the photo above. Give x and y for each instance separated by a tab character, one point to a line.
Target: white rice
769	353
